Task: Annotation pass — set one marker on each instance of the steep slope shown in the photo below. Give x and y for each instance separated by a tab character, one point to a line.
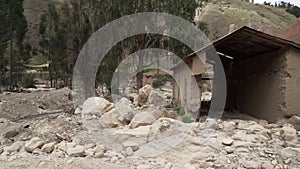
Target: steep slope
33	9
221	14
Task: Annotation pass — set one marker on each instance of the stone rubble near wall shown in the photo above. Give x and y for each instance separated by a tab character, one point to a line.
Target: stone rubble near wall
133	138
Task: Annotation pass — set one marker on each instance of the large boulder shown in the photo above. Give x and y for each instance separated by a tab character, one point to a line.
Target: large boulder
145	118
126	109
295	121
33	144
77	151
144	93
49	147
288	133
96	106
112	119
157	99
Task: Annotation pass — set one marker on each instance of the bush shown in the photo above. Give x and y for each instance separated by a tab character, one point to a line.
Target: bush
28	81
157	83
180	111
187	119
161	80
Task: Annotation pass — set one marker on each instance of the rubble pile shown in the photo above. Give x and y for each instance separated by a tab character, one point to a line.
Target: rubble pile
146	135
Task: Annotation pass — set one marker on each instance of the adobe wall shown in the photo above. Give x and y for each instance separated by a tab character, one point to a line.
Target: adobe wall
184	90
258	86
292	77
187	78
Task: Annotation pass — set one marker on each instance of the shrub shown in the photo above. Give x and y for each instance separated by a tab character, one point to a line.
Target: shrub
186	119
28	81
180	111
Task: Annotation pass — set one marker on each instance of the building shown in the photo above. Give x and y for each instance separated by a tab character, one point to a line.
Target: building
262	74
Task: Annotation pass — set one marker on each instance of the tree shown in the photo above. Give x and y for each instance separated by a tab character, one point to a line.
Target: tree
4	39
17	29
49	28
75	20
108	10
295	10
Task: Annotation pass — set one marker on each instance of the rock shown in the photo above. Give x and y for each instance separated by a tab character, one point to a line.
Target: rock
64	146
157	99
114	159
58	153
144	93
1	150
262	138
11	134
267	165
242	150
129	151
134	146
252	164
229	126
134	97
110	154
289	152
295	121
287	161
33	144
77	111
263	123
89	152
37	151
170	114
143	166
227	142
126	109
15	147
96	106
288	133
77	151
99	151
49	147
111	119
3	120
211	123
145	118
169	165
229	149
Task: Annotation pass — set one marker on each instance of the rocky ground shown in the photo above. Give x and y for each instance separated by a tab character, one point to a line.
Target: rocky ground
138	132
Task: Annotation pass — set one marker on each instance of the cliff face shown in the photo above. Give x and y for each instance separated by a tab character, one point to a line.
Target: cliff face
221	14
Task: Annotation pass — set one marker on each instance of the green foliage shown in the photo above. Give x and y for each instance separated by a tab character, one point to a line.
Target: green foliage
54	43
102	12
13	28
28	81
295	10
180	111
160	80
186	119
157	83
204	27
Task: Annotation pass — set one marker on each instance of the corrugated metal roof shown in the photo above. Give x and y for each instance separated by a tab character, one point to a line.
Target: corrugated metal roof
246	42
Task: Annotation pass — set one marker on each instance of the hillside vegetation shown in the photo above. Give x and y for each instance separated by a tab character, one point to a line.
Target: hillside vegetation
33	9
220	14
56	30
